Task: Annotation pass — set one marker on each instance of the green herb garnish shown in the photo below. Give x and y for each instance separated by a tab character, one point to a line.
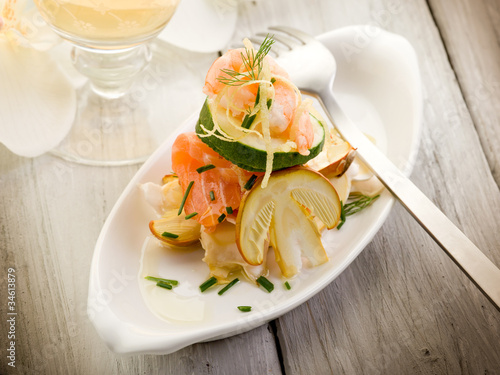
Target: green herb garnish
342	215
355	203
257	96
169	235
358	202
287	285
229	210
266	284
205	168
164	285
192	214
253	62
245	308
207	284
157	279
212	195
225	289
247	121
250	182
221	218
185	197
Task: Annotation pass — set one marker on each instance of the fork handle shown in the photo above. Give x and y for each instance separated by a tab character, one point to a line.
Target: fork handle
480	270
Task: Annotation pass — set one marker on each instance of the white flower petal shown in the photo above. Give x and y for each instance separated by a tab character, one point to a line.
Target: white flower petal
13	11
37	101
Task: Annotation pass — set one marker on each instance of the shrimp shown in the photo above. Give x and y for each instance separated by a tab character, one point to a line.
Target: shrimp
288	119
285	121
301	130
282	108
244	97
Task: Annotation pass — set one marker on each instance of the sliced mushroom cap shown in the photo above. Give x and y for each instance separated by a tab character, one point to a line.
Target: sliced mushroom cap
335	158
282	215
187	231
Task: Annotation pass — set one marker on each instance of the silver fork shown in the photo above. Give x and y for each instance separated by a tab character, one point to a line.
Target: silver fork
313	69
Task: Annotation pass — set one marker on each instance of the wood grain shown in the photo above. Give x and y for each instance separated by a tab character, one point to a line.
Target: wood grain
406	308
471	32
402	307
49	236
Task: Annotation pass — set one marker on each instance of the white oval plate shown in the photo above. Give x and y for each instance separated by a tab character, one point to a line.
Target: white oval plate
378	83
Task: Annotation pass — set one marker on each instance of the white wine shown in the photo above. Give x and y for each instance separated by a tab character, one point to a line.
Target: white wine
107	23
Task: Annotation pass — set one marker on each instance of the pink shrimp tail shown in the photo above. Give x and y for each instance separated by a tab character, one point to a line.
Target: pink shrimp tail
231	60
302	133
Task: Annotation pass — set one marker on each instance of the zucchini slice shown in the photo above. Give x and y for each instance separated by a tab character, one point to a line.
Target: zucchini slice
249	152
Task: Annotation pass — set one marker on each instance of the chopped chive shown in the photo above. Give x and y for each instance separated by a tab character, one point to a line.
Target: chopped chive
157	279
207	284
342	215
169	235
225	289
247	121
356	203
269	103
257	97
164	285
250	182
245	308
191	215
287	285
185	197
229	210
205	168
266	284
273	80
221	218
212	196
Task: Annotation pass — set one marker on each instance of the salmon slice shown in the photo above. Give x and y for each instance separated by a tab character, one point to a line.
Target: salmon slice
225	181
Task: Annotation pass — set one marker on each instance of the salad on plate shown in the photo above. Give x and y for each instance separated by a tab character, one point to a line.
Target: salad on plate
262	172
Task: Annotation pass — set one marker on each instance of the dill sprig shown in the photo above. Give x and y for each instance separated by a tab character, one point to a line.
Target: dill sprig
253	62
356	202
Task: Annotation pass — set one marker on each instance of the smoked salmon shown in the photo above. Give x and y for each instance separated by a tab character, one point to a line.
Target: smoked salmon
215	192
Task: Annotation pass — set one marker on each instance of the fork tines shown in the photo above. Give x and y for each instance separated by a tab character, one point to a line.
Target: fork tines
286	38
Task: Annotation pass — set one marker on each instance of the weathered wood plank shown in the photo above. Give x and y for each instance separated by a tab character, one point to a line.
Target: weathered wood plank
471	32
51	213
403	306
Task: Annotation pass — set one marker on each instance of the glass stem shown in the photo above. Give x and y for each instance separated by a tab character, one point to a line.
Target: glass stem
111	72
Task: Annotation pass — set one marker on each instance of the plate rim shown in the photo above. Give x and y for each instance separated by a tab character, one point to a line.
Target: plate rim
125	338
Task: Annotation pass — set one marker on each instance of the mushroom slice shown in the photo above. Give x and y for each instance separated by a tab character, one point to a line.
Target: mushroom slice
222	255
175	230
335	158
282	214
169	178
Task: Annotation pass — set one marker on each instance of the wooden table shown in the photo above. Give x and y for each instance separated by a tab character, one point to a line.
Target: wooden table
402	307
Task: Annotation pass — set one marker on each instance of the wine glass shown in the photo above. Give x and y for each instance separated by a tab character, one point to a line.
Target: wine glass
111	48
